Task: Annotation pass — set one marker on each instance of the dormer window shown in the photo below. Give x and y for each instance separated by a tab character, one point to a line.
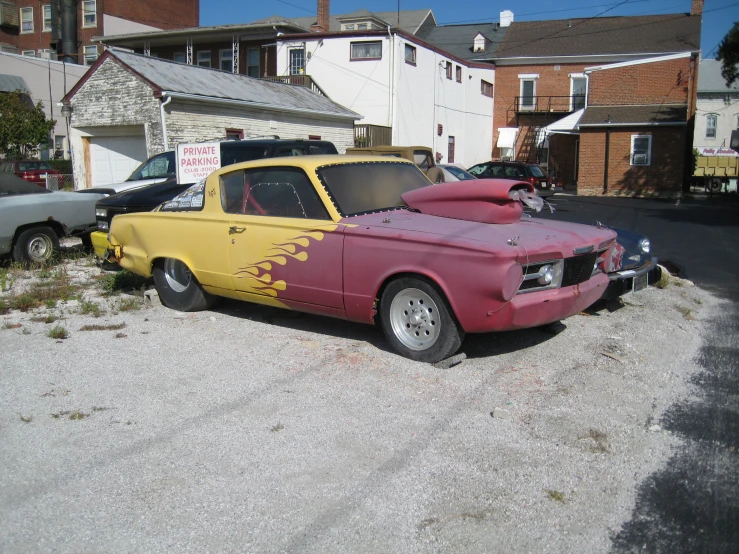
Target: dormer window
479	43
349	27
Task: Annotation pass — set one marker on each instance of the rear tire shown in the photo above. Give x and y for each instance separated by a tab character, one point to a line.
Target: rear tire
37	245
716	185
178	288
418	322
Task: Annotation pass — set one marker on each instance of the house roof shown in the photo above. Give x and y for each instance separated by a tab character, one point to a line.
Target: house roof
410	20
11	83
200	83
710	79
650	114
205	32
458	39
652	34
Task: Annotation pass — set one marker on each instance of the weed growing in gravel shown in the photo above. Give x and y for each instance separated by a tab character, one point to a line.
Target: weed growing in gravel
556	495
50	303
687	312
58	332
24	302
277	428
72	415
88	307
7	325
664	280
130	304
25	419
25	331
121	281
48	318
44	273
48	293
6	279
4	307
121	335
112	327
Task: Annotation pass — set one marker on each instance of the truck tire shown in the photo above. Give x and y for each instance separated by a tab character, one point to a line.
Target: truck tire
36	245
716	184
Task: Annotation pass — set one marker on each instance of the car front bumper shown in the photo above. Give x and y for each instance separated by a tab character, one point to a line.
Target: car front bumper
100	244
622	282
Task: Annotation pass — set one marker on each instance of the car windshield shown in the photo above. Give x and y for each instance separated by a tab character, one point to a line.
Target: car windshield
536	171
33	166
364	187
157	167
459	173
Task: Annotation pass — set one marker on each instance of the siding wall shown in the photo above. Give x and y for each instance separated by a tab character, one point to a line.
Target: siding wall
196	122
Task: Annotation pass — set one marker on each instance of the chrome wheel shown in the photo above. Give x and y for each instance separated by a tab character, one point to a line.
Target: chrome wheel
415	319
177	274
40	248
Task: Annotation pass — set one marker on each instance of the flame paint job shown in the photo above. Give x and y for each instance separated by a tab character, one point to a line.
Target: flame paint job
338	267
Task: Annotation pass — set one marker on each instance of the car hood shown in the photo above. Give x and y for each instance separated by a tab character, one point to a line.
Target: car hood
130	185
535	239
151	195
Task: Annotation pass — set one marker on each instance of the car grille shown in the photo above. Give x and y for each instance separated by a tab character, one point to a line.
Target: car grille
578	269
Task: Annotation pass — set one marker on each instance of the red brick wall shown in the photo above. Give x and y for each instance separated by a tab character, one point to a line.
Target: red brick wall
551	82
650	83
662	178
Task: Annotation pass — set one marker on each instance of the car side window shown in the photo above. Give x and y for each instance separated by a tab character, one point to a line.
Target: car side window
477	170
290	152
422	159
513	171
275	192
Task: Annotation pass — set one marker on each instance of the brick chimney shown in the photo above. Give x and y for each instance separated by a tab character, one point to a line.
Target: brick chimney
696	7
322	24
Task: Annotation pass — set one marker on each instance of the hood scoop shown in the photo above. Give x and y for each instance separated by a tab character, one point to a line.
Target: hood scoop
481	200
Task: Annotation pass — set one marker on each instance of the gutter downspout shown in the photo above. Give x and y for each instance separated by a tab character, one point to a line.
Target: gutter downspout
607	158
391	89
164	121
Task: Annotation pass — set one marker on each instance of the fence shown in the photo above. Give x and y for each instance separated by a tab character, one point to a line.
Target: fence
60	181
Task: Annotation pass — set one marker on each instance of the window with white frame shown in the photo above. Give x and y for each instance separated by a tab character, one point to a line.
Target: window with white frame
47	18
486	88
449	70
361	26
91	54
366	50
578	91
204	58
26	20
458	69
641	149
711	122
252	62
31	53
226	60
89	13
410	54
297	61
527	92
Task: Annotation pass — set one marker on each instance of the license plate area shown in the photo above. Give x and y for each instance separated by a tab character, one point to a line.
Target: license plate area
640	282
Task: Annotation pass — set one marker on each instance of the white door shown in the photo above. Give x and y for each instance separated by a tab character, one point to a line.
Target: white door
113	159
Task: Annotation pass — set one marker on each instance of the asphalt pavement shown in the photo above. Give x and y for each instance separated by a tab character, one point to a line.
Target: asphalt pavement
692	504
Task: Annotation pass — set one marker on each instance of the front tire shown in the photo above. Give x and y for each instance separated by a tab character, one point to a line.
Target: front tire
37	245
178	288
417	321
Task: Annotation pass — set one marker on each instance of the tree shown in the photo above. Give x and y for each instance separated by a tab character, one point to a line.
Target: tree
728	54
23	126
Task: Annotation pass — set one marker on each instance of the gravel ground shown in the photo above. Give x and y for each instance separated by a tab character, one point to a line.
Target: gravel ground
249	429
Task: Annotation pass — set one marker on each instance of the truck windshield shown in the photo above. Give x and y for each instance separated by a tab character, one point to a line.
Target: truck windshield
160	166
365	187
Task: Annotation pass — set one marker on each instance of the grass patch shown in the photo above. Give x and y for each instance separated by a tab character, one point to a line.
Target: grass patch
48	318
130	304
6	279
664	280
556	495
687	312
44	273
58	332
277	428
4	306
50	303
46	293
88	307
121	281
75	415
112	327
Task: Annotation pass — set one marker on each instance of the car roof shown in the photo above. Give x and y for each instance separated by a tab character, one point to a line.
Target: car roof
311	163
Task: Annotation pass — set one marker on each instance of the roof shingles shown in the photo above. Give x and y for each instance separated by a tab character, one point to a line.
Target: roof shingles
652	114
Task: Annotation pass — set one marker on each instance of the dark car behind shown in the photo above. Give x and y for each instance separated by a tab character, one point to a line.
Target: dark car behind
520	171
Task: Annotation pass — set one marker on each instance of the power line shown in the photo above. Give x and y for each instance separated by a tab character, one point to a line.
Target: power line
298	7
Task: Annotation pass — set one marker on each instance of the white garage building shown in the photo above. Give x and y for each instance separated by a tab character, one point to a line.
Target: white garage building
129	107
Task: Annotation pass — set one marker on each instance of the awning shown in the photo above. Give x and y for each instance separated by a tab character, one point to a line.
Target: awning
11	83
507	137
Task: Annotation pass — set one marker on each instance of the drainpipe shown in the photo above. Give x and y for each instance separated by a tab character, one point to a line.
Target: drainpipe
164	122
391	80
607	158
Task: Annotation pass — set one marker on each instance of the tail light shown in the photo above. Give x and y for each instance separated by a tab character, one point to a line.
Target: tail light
532	180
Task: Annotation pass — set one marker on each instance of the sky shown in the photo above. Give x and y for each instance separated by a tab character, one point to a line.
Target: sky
718	18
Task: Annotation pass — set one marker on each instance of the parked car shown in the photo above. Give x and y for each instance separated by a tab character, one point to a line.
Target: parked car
32	219
144	199
454	172
632	267
33	171
371	241
154	170
422	156
517	171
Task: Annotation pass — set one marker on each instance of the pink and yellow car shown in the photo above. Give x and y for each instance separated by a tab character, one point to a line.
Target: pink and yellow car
368	239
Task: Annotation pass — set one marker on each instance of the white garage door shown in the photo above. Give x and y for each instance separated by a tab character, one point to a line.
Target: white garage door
113	159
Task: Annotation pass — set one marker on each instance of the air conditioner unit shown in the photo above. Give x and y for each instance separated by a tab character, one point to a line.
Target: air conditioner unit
47	54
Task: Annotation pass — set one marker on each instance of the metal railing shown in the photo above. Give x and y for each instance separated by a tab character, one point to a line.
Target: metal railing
299	80
60	181
372	135
563	104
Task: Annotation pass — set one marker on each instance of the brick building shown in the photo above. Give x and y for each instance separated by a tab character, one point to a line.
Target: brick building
27	27
554	78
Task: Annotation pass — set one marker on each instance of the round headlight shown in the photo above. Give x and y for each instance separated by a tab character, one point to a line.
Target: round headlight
645	245
547	275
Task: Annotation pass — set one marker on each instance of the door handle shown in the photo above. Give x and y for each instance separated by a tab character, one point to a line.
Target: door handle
233	230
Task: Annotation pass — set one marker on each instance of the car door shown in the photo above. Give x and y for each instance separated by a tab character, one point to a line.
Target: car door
282	242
